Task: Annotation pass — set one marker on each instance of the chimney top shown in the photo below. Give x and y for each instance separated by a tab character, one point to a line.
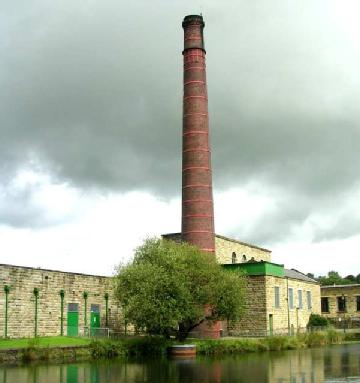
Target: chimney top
193	19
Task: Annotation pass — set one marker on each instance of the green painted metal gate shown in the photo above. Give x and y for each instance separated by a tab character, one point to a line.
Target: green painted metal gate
73	319
94	318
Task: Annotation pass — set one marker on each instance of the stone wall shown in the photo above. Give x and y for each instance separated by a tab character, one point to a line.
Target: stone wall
350	292
253	322
297	317
224	247
260	304
21	303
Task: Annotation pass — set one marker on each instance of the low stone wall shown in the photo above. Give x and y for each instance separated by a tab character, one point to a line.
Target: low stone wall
53	354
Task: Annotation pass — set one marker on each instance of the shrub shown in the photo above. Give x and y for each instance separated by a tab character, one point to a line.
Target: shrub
146	346
317	320
316	339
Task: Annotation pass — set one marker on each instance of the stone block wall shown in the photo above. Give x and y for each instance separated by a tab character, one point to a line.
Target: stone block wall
224	247
21	300
253	322
350	292
260	304
297	316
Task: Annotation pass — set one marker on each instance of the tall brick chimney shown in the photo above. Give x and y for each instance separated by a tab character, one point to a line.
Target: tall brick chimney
197	200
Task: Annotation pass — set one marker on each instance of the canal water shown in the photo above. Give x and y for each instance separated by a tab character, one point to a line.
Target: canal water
331	364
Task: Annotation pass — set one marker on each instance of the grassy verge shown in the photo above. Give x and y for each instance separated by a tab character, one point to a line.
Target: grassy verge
50	348
51	341
274	343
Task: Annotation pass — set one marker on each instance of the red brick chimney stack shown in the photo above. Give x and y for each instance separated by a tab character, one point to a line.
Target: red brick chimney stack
197	200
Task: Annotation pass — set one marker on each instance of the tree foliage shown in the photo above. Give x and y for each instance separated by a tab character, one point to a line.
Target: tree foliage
167	286
334	278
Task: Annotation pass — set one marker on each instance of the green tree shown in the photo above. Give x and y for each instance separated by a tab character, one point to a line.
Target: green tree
333	278
168	285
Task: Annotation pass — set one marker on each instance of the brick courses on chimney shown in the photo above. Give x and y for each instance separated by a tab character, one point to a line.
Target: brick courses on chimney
197	199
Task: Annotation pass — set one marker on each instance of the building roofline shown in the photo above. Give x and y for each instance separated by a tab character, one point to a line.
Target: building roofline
337	286
227	239
54	271
242	243
308	279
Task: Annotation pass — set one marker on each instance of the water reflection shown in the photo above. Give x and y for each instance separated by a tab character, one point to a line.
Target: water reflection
333	364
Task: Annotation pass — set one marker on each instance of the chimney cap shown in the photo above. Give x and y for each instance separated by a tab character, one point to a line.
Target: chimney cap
193	19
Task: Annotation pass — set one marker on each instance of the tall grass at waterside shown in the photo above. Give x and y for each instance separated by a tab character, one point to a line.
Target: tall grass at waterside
273	343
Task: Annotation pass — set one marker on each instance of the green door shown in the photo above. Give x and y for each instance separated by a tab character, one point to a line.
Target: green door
94	319
73	319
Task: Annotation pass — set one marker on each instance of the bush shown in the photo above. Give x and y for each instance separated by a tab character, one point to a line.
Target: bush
317	320
146	346
106	349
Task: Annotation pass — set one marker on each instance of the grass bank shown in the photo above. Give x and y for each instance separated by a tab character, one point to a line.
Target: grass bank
274	343
48	341
72	349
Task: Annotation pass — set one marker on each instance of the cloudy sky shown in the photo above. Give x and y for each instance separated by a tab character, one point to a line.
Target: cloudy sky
90	128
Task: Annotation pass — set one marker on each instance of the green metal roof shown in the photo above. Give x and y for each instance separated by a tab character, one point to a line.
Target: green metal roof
257	268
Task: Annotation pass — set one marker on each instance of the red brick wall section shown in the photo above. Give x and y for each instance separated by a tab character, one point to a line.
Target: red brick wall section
197	199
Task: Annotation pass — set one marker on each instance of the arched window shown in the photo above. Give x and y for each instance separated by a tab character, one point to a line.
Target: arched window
233	257
244	258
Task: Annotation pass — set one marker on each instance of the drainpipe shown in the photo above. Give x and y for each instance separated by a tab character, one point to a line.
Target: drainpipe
36	294
106	308
6	290
62	295
85	295
288	310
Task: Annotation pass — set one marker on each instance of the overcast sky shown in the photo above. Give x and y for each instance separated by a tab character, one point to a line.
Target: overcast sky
90	128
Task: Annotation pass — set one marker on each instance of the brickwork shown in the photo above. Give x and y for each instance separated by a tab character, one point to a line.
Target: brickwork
21	304
224	248
351	294
197	200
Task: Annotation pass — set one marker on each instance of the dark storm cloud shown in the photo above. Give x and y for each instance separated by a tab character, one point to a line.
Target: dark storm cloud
93	89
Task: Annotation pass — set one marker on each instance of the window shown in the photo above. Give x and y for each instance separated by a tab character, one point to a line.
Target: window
233	257
308	298
277	297
358	303
300	299
73	307
291	298
95	308
324	304
341	303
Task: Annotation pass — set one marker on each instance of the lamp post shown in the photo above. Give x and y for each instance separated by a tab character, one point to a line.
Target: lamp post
36	294
6	290
344	306
62	294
